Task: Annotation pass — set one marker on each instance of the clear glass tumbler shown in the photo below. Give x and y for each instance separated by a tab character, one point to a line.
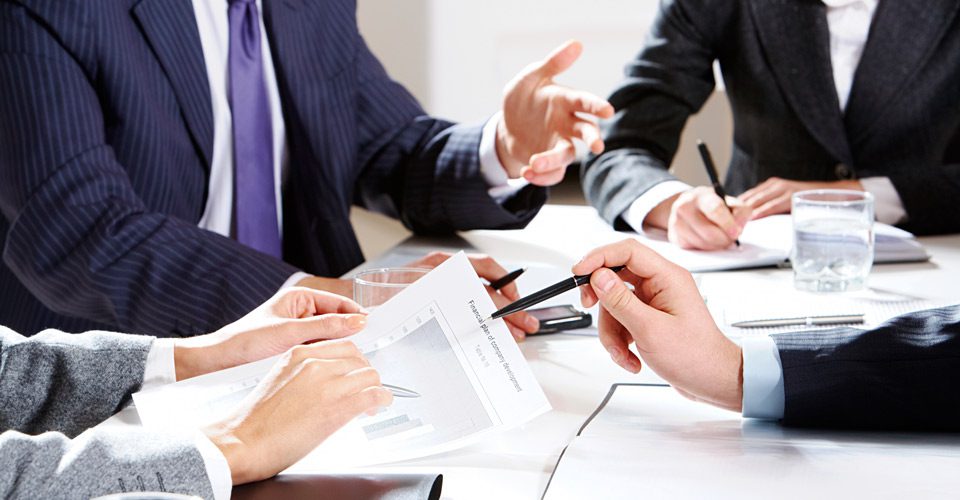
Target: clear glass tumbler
373	287
832	239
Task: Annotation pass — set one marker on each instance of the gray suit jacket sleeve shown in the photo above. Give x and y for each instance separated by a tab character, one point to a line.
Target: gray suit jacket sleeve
901	375
670	80
100	462
56	381
66	383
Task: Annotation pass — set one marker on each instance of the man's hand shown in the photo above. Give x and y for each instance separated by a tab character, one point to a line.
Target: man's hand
774	195
698	220
292	317
309	394
540	120
666	317
521	323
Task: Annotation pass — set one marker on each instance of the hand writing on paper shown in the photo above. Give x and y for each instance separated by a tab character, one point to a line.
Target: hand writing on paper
698	220
312	391
520	324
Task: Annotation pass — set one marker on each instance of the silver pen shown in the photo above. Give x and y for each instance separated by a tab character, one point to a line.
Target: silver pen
837	319
401	392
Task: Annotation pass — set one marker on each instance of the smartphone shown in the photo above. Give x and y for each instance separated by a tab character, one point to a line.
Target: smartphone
558	318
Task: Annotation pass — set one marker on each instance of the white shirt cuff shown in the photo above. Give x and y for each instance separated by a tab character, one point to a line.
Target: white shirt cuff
887	203
501	187
642	206
218	470
160	368
294	279
762	378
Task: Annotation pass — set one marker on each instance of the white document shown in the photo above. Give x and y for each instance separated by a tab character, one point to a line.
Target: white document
651	442
735	297
572	231
471	377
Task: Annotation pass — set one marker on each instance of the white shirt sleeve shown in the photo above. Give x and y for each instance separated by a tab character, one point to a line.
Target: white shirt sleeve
501	187
638	210
294	279
887	202
218	470
159	368
762	378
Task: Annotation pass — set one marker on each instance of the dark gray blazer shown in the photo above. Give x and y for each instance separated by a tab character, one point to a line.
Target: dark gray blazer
902	120
902	375
55	385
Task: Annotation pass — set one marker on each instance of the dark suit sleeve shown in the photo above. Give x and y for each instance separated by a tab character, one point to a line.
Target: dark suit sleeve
670	79
80	238
930	200
423	170
902	375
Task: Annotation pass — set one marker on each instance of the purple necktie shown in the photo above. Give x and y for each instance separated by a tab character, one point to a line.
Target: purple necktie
255	203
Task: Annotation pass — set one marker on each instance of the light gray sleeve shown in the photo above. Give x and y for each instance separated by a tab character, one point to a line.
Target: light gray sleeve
100	462
62	382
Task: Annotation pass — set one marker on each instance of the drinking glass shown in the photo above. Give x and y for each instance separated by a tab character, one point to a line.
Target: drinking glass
373	287
832	239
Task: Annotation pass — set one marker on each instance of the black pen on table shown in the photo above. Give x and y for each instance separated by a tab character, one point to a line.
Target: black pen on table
547	293
507	278
712	173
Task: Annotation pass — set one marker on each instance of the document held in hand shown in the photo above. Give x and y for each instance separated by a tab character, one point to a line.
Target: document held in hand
470	376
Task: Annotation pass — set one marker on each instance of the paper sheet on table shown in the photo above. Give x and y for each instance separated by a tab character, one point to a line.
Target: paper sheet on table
651	442
734	297
572	231
471	377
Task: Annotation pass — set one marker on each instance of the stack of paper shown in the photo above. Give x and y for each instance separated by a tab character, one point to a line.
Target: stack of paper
734	297
572	231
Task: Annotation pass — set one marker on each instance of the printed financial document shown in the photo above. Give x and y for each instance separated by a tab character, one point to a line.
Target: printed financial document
470	377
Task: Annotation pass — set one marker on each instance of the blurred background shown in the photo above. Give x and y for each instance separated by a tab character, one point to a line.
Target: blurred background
456	57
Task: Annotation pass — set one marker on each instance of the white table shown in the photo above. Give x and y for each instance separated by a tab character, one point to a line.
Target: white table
576	372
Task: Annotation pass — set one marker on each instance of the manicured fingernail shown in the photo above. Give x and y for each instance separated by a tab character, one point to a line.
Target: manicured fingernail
532	324
615	354
605	280
357	322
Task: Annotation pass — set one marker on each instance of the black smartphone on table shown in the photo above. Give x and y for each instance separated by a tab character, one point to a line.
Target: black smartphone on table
555	319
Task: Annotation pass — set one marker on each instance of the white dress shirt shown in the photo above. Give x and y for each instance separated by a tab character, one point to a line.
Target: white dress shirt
849	24
212	21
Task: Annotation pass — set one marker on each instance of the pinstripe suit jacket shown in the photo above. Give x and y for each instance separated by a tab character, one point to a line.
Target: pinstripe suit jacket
106	132
901	375
902	120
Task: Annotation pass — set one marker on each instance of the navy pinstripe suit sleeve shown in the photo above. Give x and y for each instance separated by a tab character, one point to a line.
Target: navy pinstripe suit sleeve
902	375
80	238
423	170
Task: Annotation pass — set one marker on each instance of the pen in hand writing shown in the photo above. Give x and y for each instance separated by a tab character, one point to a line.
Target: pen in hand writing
714	178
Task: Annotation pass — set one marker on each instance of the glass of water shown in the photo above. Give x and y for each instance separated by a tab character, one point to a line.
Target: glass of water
832	240
373	287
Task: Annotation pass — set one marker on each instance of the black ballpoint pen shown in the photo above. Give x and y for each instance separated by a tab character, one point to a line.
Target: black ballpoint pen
712	173
507	279
547	293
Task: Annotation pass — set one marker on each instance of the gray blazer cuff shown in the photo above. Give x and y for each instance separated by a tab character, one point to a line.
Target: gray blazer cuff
101	462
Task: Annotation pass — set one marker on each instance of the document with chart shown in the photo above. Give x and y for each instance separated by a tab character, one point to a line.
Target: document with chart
469	376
